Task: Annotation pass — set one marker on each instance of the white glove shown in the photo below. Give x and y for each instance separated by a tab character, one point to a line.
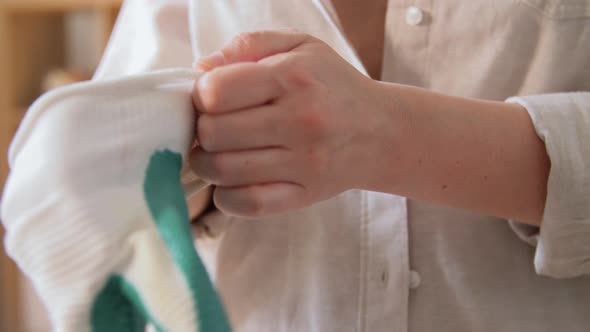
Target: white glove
95	212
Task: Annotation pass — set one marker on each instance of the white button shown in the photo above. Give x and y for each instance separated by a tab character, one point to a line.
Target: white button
415	280
414	15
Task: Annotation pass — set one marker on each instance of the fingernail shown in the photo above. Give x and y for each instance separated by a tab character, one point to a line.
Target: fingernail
211	61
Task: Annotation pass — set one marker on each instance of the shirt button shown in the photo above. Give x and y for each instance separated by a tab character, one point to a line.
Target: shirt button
415	280
414	15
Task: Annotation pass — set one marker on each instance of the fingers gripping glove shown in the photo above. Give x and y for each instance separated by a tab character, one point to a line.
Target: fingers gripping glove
95	212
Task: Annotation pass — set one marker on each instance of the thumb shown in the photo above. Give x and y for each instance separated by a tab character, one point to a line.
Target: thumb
253	46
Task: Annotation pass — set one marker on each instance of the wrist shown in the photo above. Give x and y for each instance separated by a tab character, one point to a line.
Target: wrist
391	134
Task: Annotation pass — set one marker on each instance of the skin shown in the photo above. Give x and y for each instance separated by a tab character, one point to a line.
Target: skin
284	122
363	24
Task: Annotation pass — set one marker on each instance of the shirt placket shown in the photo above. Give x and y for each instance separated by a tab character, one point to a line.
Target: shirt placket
406	51
405	60
386	276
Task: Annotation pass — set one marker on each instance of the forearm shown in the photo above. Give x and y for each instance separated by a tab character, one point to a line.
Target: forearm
478	155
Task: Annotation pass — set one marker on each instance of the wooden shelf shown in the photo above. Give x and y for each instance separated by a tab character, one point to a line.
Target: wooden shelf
56	5
9	301
11	119
33	42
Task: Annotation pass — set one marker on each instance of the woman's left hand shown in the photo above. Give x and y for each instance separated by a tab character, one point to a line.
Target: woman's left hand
285	122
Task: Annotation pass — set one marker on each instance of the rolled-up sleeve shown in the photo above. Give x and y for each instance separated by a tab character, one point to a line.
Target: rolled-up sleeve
562	241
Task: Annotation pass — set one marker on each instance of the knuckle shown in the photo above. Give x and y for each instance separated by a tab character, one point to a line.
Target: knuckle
206	132
200	165
296	75
313	119
297	32
196	98
239	202
219	167
196	162
210	90
254	204
245	40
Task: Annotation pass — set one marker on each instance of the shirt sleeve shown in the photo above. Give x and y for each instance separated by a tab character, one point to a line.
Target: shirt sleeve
562	121
148	35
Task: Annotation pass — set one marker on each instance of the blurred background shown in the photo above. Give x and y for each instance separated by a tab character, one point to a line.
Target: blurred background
44	44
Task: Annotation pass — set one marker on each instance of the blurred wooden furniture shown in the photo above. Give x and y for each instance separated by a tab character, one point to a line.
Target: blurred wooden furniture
32	42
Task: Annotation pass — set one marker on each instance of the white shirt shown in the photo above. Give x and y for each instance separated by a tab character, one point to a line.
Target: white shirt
365	261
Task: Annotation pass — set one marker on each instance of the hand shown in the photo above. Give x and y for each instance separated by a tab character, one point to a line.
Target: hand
284	122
